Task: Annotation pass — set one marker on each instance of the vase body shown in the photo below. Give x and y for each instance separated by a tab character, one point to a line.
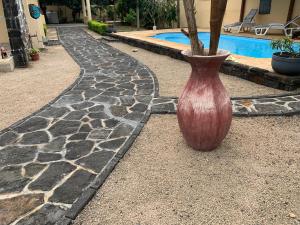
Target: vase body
204	108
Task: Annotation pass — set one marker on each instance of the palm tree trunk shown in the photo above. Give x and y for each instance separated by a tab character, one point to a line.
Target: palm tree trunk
218	8
178	13
192	26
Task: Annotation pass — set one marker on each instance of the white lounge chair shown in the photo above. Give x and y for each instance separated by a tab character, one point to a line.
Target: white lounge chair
247	23
286	28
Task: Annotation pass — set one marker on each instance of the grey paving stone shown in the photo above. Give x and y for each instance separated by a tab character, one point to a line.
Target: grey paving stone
78	149
33	168
68	100
48	157
112	144
73	187
96	108
56	145
64	127
85	128
140	107
118	111
53	112
267	108
47	215
110	123
75	115
127	100
8	138
96	161
121	130
78	136
83	105
12	180
37	137
99	134
106	99
135	116
49	178
13	155
96	123
144	98
32	124
98	115
295	105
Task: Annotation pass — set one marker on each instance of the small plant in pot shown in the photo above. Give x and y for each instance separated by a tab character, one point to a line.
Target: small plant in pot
34	54
204	108
287	59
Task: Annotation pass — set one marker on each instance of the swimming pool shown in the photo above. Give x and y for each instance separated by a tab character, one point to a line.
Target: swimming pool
252	47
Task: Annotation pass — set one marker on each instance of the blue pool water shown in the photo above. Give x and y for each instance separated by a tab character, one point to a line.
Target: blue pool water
252	47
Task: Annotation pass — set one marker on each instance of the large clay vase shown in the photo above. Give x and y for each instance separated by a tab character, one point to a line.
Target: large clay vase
204	109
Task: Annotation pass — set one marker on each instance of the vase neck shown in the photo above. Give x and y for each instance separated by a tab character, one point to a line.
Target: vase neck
206	66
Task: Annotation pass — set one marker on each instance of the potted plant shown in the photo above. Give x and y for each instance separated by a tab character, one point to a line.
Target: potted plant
204	108
34	54
287	59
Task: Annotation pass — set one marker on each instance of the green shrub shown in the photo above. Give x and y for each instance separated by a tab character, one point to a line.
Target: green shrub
98	27
130	18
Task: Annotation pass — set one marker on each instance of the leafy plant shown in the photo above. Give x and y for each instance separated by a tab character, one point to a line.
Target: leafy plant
98	27
33	51
285	46
130	17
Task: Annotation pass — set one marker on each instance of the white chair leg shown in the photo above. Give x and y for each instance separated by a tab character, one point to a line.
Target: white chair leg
266	31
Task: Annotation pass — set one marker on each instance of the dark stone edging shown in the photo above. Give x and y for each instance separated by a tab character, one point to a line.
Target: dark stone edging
253	74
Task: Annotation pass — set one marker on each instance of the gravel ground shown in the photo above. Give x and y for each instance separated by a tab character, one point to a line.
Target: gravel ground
172	74
24	91
253	178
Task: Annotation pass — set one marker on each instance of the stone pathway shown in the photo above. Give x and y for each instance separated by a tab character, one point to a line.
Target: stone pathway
281	105
50	158
54	161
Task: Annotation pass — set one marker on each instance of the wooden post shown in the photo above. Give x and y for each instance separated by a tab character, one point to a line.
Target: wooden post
137	14
192	26
217	12
242	13
291	9
178	13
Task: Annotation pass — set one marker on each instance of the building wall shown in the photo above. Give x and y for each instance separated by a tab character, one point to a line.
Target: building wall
3	29
36	27
279	11
296	11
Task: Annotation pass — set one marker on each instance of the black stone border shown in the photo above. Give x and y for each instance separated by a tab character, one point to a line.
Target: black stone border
253	74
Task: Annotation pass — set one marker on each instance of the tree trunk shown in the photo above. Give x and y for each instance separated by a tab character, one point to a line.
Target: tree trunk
192	26
178	13
218	8
138	15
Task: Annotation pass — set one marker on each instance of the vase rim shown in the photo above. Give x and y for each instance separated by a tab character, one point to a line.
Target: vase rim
221	53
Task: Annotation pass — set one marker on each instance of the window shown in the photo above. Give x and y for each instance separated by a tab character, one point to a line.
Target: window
265	6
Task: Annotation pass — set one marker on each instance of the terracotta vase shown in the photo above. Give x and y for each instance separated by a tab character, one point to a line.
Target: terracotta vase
204	109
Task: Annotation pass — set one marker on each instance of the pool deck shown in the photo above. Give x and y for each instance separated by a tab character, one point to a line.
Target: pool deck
264	63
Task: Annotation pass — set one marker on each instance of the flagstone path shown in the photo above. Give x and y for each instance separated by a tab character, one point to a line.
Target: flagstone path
54	161
47	160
